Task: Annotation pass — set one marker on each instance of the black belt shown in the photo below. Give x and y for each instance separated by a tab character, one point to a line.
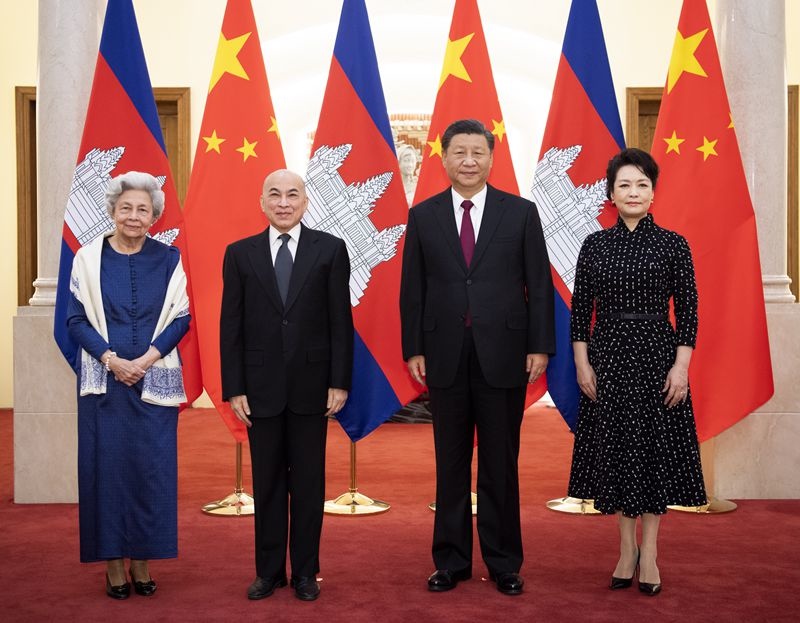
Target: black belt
624	316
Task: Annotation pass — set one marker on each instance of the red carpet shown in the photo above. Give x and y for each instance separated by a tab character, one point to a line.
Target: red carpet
742	566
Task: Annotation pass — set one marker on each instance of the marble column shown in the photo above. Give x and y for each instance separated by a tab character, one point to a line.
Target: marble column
758	457
45	411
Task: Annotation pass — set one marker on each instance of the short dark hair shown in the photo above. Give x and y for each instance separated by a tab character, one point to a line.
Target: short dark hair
636	157
466	126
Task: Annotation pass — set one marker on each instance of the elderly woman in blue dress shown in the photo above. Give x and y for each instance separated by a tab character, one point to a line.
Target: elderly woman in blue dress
128	311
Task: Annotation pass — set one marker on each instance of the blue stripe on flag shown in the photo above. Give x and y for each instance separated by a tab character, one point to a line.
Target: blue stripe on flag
121	47
65	342
371	396
355	52
561	376
585	50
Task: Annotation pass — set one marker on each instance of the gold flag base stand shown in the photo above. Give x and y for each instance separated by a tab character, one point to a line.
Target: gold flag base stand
715	506
352	502
473	497
237	503
573	506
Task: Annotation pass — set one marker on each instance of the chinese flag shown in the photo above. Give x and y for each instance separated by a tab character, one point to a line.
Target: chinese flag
702	194
466	91
239	145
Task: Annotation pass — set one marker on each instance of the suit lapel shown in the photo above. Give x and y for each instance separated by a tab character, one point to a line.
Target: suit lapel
443	210
261	260
304	260
492	215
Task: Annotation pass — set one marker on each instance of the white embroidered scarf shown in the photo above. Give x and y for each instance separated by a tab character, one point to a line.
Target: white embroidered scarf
163	382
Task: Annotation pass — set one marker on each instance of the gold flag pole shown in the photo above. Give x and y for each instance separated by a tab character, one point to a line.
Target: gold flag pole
715	506
352	502
237	503
573	506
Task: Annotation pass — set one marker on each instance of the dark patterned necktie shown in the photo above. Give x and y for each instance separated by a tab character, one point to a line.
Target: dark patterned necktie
467	232
283	266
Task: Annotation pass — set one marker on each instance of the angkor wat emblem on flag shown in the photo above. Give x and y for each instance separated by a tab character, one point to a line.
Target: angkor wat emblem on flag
568	213
86	214
343	210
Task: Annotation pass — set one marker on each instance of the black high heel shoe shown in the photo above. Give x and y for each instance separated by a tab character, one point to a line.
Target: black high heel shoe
123	591
618	583
651	590
145	589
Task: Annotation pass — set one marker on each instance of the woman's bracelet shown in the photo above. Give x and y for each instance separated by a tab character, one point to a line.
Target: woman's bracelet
107	362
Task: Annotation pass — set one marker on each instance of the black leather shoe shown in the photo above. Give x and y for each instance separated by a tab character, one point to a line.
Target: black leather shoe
651	590
305	588
123	591
618	583
445	580
508	583
145	589
264	587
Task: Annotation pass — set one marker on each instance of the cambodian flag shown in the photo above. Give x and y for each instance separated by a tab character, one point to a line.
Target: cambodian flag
121	133
583	132
355	192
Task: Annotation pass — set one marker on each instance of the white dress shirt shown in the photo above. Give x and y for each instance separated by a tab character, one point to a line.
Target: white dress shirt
275	242
475	212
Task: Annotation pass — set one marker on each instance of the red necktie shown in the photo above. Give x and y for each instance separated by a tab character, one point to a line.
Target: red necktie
467	232
467	245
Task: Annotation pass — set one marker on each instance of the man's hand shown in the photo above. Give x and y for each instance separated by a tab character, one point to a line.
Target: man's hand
535	365
336	400
416	368
241	408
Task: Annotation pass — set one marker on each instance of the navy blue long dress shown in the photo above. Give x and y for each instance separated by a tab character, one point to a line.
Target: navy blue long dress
127	449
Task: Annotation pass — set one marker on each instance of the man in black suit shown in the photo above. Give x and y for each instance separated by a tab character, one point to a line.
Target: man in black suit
286	344
476	302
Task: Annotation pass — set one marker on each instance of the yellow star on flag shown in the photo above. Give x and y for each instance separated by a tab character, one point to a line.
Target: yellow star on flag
707	148
248	149
730	125
674	143
436	147
274	127
213	142
683	58
453	65
227	61
499	129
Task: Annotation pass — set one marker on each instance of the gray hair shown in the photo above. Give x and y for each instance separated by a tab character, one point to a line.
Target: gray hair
135	180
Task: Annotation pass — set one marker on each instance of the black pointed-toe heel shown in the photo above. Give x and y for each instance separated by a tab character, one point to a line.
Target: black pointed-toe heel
123	591
618	583
651	590
145	589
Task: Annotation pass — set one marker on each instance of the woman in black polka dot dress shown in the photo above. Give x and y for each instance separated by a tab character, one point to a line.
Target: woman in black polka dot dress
636	447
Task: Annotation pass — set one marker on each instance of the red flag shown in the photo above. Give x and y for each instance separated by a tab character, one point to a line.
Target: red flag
466	91
702	194
122	133
239	145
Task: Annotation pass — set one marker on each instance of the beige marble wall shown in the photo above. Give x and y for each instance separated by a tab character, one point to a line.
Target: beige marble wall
45	439
45	424
760	456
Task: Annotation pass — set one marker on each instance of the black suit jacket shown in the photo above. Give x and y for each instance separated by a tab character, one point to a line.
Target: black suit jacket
507	288
286	356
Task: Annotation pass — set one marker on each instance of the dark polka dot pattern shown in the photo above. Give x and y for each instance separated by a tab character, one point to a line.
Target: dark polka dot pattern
632	453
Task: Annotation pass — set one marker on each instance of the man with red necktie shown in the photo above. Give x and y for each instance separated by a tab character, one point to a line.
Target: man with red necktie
476	303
